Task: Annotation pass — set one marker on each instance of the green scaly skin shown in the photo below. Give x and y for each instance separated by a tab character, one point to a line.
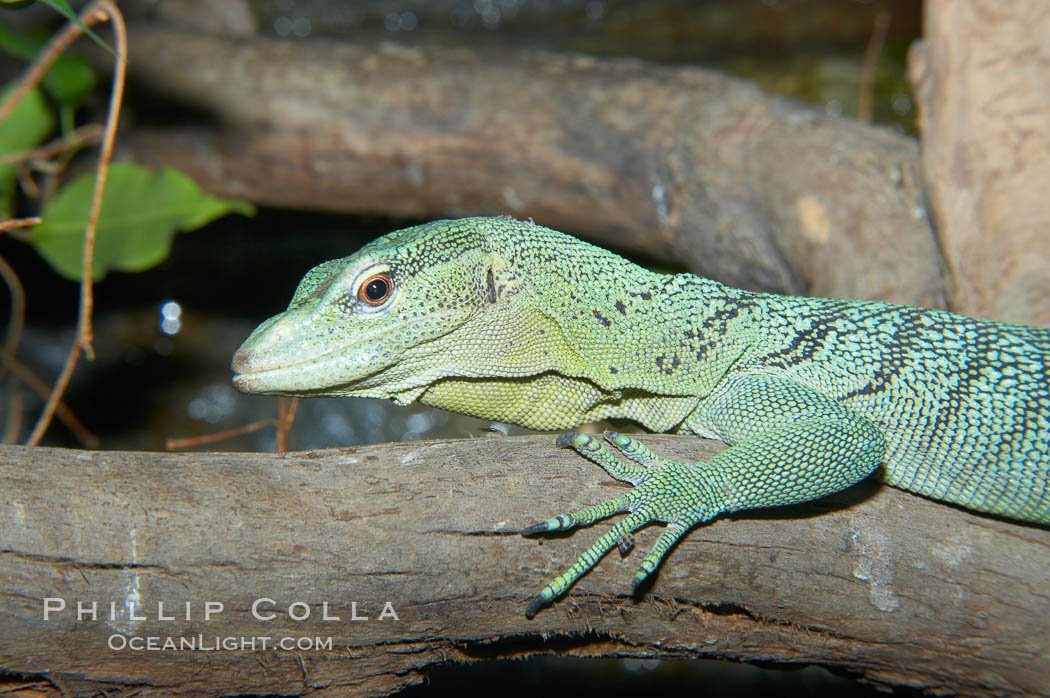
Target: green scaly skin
510	321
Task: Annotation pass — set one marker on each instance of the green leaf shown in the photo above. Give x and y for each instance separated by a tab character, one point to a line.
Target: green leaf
141	212
62	7
68	80
26	127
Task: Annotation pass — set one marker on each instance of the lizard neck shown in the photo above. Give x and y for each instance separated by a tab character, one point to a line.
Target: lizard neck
678	345
638	345
672	335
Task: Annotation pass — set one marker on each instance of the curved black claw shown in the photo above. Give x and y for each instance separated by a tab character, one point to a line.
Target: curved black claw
565	440
534	606
533	529
639	584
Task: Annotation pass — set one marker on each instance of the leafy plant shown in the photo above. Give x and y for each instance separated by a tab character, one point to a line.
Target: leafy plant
62	7
122	216
141	212
69	79
27	127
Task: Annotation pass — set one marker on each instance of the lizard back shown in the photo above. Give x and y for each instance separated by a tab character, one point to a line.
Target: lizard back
964	403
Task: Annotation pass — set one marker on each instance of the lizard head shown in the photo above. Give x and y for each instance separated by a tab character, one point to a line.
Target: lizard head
414	307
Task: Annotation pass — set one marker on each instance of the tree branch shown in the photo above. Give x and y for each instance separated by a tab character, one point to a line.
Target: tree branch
979	78
876	581
681	164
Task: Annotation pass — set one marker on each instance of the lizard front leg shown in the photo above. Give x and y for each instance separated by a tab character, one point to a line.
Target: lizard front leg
812	446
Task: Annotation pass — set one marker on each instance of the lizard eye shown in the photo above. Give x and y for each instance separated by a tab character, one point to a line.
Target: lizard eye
375	290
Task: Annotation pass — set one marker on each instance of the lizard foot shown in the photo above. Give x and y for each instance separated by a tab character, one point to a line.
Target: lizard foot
679	494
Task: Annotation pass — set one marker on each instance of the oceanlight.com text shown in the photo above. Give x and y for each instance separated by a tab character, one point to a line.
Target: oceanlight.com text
215	643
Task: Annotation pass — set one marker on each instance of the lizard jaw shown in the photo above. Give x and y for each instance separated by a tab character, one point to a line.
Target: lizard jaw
268	363
271	360
289	379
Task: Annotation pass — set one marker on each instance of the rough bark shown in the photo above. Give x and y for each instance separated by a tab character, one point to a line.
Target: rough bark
980	75
681	164
876	581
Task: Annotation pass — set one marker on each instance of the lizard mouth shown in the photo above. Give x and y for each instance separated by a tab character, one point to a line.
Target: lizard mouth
299	378
243	369
273	365
273	379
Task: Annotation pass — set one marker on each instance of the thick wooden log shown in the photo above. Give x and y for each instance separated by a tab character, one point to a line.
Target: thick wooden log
980	76
681	164
876	581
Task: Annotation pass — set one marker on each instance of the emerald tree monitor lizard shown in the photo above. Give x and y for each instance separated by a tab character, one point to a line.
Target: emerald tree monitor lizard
510	321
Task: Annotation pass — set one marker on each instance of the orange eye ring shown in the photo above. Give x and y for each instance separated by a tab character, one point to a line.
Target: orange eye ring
375	290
